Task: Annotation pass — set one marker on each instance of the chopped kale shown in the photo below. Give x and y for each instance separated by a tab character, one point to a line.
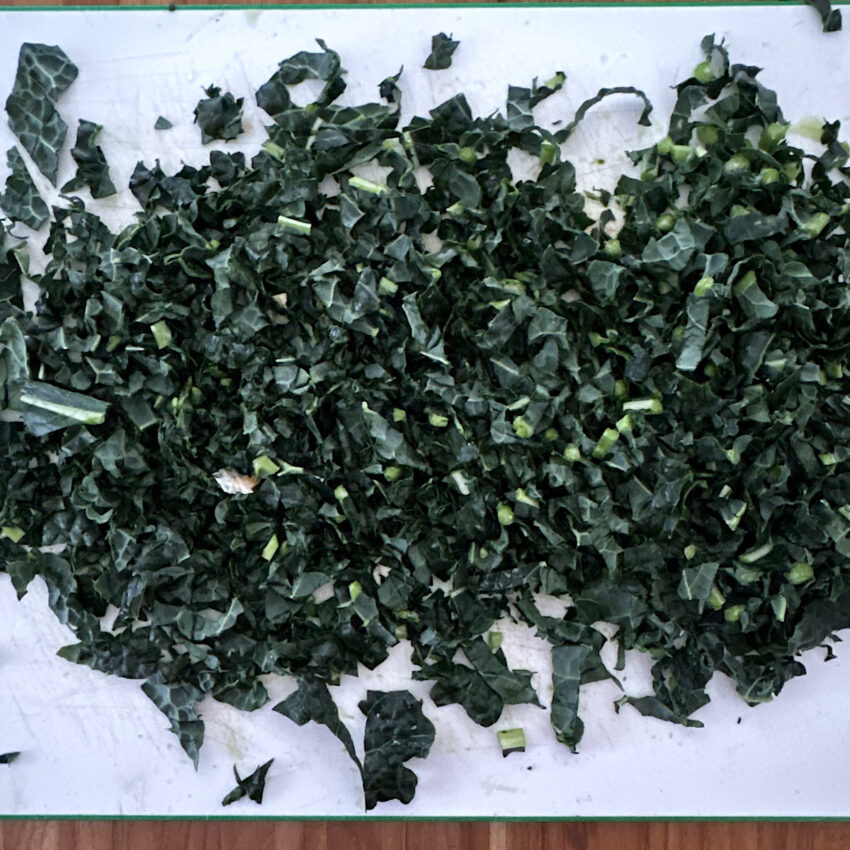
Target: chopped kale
252	786
44	72
279	431
21	201
219	115
442	50
92	168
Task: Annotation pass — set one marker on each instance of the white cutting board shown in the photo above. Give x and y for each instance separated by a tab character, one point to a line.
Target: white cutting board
93	744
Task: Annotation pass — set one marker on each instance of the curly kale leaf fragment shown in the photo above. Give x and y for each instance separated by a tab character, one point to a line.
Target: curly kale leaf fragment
178	701
563	134
312	701
273	96
442	50
44	72
831	18
568	663
13	362
484	688
92	168
14	262
21	200
396	731
251	786
219	115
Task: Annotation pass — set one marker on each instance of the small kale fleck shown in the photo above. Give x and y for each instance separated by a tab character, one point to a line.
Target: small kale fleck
219	115
442	50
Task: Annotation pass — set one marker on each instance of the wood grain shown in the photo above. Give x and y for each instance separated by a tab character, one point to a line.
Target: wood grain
406	835
420	835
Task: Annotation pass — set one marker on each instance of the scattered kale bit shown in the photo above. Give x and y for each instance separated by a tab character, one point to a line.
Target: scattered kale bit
511	741
281	431
43	73
92	168
13	262
830	17
21	200
179	703
563	134
162	123
442	49
251	786
273	96
312	701
219	116
8	758
396	731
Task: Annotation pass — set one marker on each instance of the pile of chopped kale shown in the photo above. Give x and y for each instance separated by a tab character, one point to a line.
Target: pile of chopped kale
280	429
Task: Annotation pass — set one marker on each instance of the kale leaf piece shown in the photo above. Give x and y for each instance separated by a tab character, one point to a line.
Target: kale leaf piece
14	261
396	731
8	758
313	701
279	430
44	72
92	168
21	200
218	115
252	786
830	17
442	50
273	96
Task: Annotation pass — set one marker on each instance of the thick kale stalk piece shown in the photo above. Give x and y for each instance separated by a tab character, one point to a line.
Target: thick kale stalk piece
279	431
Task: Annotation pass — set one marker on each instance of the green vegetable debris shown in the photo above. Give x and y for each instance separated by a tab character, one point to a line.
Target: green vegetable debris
281	430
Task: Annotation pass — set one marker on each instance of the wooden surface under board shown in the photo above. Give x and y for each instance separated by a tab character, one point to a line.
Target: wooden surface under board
399	835
420	835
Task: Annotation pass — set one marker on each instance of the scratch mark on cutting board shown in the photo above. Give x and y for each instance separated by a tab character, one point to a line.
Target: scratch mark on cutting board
211	20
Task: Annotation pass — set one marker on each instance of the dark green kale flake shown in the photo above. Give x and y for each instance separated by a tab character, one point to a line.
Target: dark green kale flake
219	115
92	168
13	263
830	17
442	50
396	731
313	701
280	431
162	123
252	786
21	200
178	701
44	72
8	758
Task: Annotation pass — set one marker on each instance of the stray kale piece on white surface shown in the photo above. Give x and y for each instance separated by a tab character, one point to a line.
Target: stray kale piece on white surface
252	786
